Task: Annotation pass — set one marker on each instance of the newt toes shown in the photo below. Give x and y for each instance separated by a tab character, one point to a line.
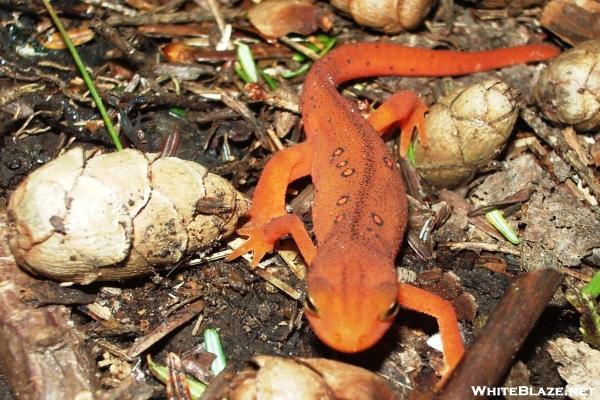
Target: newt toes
262	237
258	242
359	211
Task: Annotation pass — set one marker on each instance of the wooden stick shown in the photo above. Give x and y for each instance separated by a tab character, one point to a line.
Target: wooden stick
42	356
486	361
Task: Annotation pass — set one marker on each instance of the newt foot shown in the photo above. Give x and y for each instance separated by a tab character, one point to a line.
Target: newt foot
258	242
416	120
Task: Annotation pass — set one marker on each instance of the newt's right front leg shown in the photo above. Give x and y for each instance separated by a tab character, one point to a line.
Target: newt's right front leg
268	218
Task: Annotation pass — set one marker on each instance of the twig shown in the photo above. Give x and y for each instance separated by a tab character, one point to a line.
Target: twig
247	115
173	18
214	9
111	35
486	360
164	329
264	274
480	246
112	6
299	48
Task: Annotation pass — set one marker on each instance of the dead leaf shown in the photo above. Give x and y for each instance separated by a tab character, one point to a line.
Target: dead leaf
519	376
277	18
579	367
521	173
79	36
560	231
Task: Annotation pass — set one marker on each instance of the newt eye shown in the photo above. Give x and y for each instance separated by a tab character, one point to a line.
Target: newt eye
390	312
310	306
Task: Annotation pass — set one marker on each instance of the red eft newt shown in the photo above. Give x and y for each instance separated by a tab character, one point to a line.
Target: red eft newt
360	207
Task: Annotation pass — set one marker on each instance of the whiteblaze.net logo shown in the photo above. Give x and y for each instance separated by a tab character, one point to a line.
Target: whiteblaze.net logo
577	391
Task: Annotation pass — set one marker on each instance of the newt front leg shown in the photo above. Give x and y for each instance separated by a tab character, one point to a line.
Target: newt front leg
269	220
406	109
420	300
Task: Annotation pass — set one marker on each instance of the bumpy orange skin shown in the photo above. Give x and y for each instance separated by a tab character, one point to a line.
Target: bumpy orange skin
359	211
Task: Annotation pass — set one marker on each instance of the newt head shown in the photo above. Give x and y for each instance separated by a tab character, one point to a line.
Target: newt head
351	296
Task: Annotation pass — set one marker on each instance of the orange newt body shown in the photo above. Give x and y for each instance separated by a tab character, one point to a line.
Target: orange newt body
359	210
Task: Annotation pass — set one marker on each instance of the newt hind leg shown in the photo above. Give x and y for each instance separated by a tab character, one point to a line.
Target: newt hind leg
408	110
442	310
268	218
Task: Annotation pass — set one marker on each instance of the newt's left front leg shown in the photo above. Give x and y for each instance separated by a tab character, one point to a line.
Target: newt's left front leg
406	109
442	310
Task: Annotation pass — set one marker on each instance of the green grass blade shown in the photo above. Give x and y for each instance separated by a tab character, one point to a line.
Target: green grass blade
246	60
593	288
213	345
496	218
86	76
269	80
